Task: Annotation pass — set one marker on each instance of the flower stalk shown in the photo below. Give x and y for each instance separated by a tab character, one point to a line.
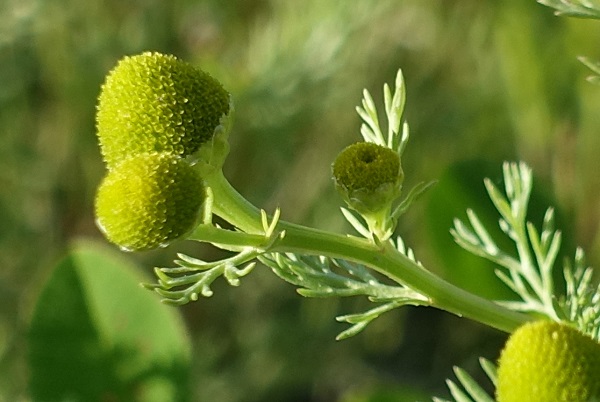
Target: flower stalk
383	258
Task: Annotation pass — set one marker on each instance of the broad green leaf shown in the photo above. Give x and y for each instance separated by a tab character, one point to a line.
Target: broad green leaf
96	335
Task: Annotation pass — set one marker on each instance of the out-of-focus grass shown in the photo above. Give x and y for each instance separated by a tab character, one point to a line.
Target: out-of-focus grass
486	80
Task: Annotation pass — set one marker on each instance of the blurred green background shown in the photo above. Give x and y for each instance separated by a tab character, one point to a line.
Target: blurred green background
487	81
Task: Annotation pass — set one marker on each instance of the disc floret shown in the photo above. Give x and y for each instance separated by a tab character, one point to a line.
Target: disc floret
149	200
158	103
551	362
369	178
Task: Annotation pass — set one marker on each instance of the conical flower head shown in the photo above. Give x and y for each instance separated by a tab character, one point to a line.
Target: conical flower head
149	201
157	103
368	176
545	361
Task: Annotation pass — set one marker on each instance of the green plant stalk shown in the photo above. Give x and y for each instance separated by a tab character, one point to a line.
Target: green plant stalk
385	259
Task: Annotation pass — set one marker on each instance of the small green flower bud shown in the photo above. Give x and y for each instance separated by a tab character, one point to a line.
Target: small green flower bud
148	201
545	361
368	176
157	103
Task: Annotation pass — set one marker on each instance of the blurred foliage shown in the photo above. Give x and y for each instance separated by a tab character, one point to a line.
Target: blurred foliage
96	335
487	81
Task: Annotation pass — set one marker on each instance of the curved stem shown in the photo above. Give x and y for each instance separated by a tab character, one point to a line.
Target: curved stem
234	208
396	266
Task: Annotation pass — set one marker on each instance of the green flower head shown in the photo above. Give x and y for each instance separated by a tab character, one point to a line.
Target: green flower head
368	176
157	103
549	362
149	201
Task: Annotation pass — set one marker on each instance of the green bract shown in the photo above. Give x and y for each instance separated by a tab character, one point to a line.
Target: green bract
157	103
368	176
149	200
549	362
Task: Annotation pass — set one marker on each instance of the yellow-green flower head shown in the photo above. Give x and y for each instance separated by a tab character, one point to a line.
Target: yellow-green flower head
368	176
545	361
149	201
157	103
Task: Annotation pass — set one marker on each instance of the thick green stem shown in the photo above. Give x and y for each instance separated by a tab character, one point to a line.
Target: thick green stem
234	208
388	261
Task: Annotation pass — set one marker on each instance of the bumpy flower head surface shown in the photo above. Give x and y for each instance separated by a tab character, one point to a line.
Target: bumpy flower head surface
148	201
549	362
157	103
368	176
